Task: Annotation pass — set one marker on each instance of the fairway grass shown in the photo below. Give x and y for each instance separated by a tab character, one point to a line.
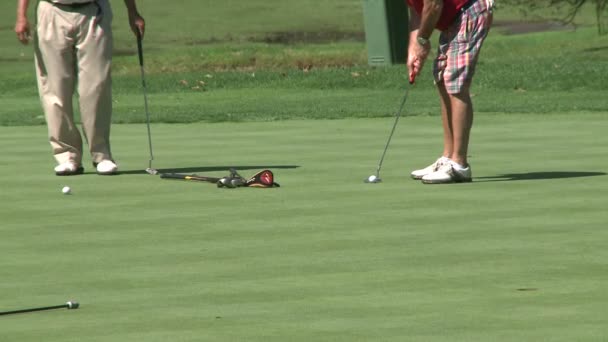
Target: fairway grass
517	255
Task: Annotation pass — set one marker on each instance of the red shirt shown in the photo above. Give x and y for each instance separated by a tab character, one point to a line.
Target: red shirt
451	8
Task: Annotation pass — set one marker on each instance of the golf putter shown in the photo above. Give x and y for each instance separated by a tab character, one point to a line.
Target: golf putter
68	305
375	178
140	52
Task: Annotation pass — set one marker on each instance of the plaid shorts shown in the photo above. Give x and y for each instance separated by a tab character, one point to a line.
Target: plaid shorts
460	44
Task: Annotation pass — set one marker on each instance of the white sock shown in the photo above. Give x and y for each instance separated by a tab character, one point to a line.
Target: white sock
457	166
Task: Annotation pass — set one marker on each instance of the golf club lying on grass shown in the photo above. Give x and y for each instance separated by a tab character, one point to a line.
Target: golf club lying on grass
68	305
262	179
375	178
140	53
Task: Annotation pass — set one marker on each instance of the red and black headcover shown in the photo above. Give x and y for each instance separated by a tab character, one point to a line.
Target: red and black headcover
262	179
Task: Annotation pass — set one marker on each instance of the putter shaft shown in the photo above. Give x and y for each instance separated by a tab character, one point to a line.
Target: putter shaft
140	52
391	134
68	305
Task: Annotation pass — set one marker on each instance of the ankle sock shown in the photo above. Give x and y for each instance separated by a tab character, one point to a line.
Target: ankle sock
444	159
458	167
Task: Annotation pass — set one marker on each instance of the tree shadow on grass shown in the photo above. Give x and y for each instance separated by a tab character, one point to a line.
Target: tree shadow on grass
194	169
537	176
596	49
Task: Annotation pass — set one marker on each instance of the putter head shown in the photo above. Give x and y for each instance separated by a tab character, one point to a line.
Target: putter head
373	179
72	305
152	171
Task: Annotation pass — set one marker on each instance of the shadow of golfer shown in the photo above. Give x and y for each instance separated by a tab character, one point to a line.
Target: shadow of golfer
537	176
195	169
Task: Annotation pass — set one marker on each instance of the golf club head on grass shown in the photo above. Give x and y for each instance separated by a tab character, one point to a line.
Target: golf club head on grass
72	305
373	179
152	171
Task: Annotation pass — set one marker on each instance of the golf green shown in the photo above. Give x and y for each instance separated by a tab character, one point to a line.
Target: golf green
517	255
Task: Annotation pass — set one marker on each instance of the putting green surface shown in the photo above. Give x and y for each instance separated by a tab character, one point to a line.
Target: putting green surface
517	255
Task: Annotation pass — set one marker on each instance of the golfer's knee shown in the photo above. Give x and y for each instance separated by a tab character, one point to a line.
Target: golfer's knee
462	93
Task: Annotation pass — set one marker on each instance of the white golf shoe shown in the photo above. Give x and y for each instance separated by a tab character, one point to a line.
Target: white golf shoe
418	174
68	168
106	167
448	173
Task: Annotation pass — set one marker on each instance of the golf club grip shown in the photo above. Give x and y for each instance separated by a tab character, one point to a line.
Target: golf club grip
140	50
189	177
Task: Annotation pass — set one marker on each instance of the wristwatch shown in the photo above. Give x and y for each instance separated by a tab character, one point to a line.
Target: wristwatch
422	41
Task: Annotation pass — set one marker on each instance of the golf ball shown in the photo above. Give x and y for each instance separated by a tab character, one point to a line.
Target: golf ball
371	178
66	190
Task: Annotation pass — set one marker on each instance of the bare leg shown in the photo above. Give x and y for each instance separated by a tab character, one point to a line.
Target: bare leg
457	112
461	123
446	119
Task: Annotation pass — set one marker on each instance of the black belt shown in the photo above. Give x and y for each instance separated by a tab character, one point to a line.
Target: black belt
72	5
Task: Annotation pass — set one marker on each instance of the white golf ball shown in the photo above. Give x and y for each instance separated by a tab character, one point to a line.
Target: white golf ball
371	178
66	190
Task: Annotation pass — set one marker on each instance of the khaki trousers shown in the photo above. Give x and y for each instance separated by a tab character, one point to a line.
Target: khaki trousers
73	52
